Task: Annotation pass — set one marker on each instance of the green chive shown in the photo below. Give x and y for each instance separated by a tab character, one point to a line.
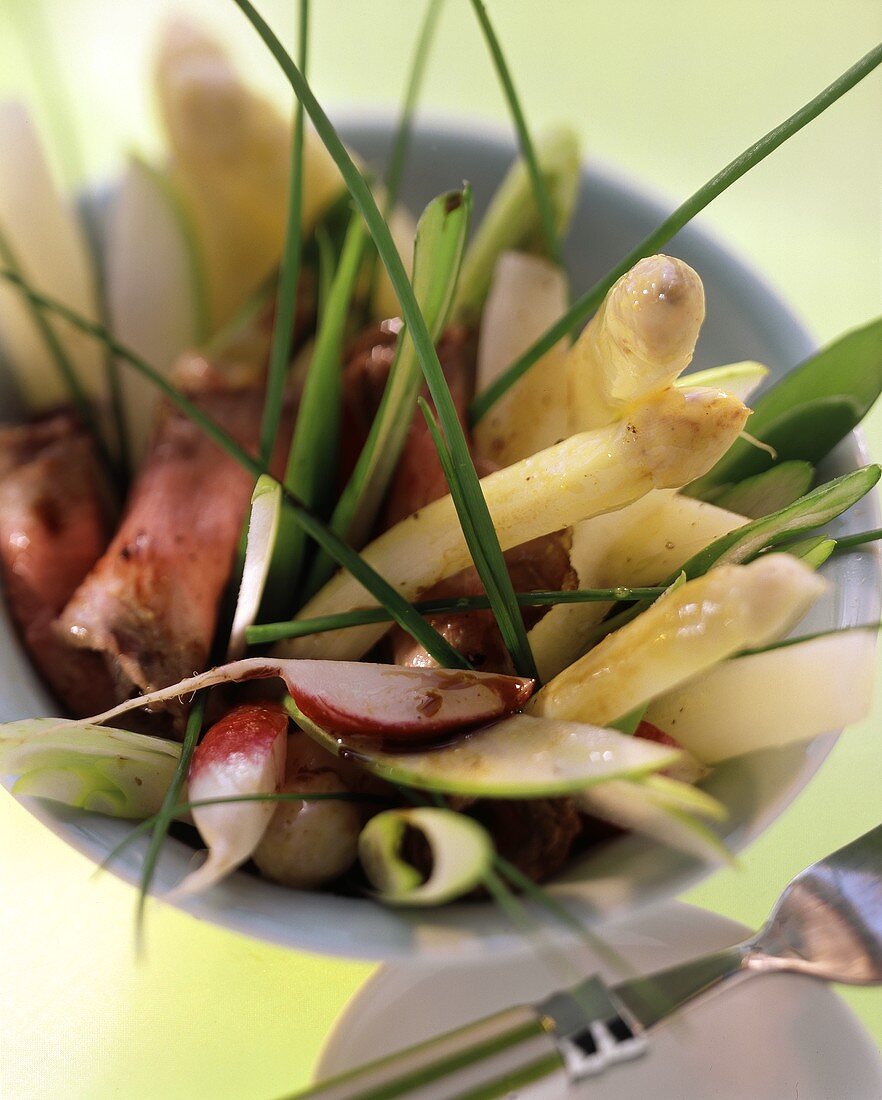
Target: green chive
583	307
501	594
849	542
312	460
541	194
785	643
462	468
438	249
167	812
401	610
289	273
404	129
299	628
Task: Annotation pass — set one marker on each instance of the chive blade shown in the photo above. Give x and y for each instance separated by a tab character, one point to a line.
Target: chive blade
401	610
172	796
312	459
438	251
289	272
299	628
501	595
461	464
541	194
404	129
585	305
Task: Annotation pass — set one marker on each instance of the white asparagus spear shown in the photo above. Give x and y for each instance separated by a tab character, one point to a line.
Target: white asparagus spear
638	545
230	156
664	443
49	246
527	296
640	340
686	632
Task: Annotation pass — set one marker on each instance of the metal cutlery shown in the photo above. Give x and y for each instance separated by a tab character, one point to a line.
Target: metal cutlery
827	923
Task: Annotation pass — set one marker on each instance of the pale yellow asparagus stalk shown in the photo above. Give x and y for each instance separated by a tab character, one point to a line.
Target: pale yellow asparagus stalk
230	158
684	633
664	443
638	545
46	242
527	296
639	341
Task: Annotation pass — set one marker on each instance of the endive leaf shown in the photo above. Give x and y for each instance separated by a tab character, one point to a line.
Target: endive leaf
769	491
440	240
519	757
110	771
461	849
263	524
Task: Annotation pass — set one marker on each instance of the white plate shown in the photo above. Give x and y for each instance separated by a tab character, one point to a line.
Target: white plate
768	1038
745	319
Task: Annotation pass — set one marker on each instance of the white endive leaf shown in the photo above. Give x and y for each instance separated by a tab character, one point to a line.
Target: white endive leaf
266	505
519	757
110	771
772	699
155	292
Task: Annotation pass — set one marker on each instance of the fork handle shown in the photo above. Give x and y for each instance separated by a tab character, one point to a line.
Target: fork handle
513	1050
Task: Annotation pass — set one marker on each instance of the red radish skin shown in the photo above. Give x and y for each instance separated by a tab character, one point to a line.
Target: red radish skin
248	732
379	702
242	754
649	732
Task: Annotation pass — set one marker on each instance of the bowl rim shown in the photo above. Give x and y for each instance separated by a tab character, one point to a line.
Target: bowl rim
447	938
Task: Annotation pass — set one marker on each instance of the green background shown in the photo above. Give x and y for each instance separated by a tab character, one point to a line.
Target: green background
666	91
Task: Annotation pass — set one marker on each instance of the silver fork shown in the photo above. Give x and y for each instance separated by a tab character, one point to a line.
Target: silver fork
827	923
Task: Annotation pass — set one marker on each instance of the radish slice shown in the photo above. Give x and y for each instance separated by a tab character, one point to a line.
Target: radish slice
51	251
155	292
108	771
242	754
462	854
266	506
662	811
379	702
520	757
736	379
772	699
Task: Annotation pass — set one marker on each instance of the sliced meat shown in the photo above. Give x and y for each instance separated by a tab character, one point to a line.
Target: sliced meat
369	359
419	478
54	525
543	563
536	834
150	605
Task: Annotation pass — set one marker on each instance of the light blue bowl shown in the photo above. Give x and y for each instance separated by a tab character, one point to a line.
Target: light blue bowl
745	320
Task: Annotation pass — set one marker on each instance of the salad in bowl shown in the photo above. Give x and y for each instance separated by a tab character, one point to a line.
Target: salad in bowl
356	550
